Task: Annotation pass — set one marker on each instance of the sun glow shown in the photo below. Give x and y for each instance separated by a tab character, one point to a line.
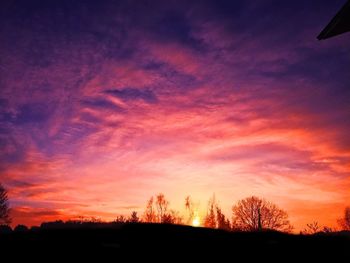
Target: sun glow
196	221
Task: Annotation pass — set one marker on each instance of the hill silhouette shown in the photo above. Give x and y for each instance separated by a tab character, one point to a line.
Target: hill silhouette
109	242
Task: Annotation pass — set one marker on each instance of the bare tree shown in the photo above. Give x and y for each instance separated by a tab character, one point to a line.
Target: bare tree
215	217
158	211
4	207
150	215
210	218
311	228
120	219
162	207
255	214
345	221
222	221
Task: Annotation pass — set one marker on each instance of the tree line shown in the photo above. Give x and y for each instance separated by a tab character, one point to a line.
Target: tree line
249	214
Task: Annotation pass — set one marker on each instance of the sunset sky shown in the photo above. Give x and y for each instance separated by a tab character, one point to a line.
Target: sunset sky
106	103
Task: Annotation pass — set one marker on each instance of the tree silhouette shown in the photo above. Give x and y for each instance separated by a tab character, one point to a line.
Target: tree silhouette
133	217
210	218
255	214
177	219
150	215
214	217
171	217
162	208
189	209
5	229
345	221
158	211
21	228
120	219
327	229
221	220
311	228
4	207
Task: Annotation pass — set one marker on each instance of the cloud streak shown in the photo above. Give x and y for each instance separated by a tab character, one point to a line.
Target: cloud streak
130	94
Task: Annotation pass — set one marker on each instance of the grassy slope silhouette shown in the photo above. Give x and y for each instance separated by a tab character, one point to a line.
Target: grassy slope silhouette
107	242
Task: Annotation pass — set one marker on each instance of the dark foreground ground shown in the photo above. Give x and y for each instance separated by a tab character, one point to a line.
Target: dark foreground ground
168	243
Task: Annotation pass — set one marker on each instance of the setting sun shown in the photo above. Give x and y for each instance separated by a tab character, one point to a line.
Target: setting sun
196	221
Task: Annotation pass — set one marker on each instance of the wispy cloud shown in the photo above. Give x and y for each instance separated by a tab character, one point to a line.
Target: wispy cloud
130	94
100	103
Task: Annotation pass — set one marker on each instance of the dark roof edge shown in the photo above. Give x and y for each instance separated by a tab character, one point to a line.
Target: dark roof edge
325	33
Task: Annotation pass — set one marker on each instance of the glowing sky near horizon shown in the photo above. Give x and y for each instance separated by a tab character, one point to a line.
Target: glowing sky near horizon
105	103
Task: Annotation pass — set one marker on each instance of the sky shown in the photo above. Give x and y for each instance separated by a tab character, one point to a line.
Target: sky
106	103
